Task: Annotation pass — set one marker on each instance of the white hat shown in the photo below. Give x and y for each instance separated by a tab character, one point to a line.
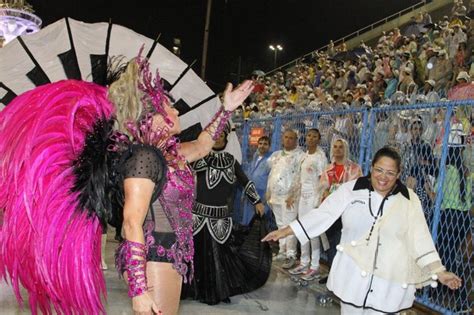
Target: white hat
463	75
431	82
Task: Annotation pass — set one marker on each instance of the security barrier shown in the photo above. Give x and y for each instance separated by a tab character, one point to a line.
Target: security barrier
435	143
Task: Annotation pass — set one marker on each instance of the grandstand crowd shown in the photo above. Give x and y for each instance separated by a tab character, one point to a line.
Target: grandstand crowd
421	63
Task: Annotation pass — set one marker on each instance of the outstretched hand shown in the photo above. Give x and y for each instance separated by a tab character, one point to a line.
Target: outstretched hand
450	280
233	98
278	234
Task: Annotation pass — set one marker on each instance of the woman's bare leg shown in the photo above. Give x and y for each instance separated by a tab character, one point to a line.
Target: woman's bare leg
164	286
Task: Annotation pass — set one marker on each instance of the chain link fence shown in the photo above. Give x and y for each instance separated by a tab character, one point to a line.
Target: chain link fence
435	142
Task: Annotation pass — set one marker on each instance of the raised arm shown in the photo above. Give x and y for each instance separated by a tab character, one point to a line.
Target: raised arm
199	148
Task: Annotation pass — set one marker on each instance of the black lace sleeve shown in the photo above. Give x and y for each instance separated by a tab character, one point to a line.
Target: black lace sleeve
144	161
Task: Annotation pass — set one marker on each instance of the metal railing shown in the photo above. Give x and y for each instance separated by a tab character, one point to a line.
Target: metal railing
354	34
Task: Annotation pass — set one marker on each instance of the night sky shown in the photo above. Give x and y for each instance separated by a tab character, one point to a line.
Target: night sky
239	28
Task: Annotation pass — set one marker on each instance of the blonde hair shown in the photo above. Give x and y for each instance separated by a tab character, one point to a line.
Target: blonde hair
127	97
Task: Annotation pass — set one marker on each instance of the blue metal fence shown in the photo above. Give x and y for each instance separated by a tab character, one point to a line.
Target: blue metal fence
435	142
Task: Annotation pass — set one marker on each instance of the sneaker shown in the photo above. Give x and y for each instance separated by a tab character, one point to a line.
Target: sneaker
289	263
298	270
311	274
279	257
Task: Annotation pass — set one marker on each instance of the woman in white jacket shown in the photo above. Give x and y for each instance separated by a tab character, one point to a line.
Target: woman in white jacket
386	250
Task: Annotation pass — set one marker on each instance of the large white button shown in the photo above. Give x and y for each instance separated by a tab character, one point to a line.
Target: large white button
434	284
353	243
404	285
340	247
434	277
363	273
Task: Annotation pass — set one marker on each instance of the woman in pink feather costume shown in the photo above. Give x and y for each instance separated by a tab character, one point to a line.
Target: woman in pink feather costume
50	226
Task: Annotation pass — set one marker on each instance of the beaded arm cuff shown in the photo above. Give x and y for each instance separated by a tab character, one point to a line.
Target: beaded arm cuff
218	123
131	257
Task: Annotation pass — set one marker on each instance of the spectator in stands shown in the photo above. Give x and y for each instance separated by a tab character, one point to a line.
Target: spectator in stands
412	93
392	83
361	91
386	250
426	18
284	166
378	87
258	173
441	71
341	82
463	78
406	81
419	167
331	51
396	36
458	9
293	96
351	79
429	92
457	37
412	46
305	194
362	71
406	64
460	58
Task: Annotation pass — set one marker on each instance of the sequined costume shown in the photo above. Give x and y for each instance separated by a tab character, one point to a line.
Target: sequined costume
224	266
168	226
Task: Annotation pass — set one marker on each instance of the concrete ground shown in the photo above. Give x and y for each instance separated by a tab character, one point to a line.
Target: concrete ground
280	295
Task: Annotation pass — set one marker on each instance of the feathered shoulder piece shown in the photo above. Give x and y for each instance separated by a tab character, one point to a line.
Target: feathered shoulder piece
49	235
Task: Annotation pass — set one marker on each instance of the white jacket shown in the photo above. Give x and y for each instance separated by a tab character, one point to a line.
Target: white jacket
383	271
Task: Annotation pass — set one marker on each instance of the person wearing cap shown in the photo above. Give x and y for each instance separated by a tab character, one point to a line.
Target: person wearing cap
429	91
463	78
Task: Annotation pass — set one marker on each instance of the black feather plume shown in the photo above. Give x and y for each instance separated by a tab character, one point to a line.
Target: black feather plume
92	172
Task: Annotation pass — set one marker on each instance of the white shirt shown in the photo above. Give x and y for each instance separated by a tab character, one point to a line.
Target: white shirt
284	167
312	167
